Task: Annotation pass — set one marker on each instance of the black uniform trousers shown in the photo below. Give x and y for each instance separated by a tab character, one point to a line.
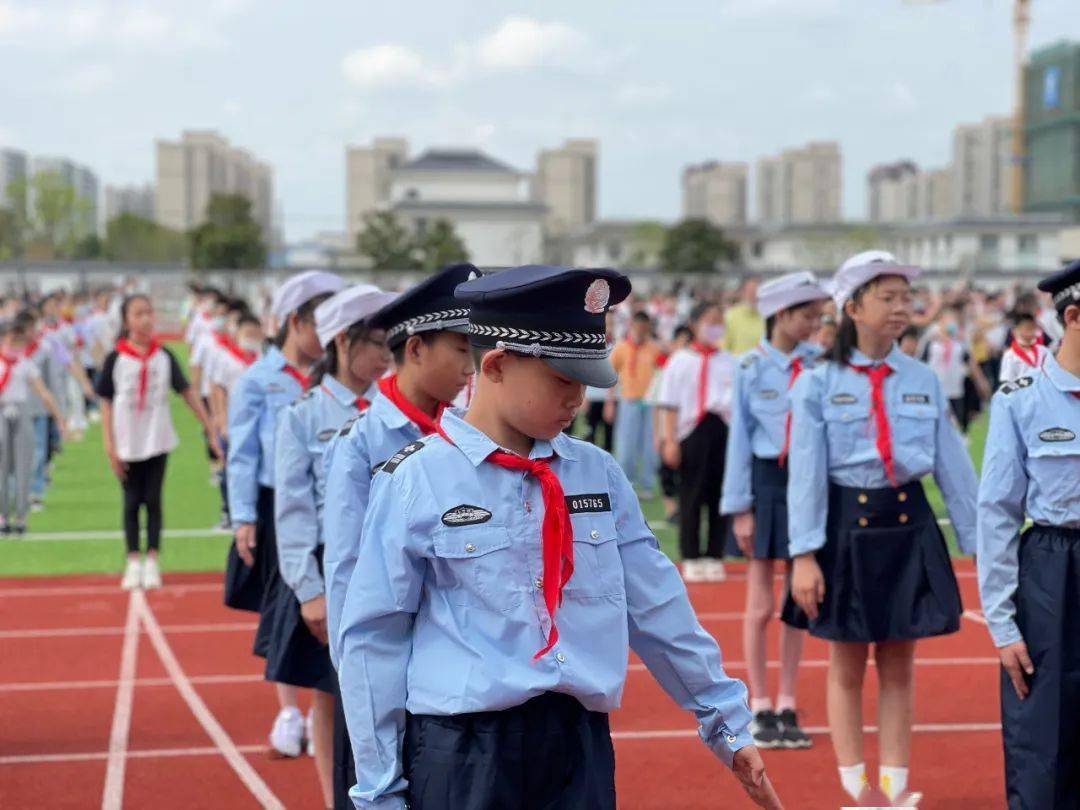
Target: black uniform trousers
549	753
701	477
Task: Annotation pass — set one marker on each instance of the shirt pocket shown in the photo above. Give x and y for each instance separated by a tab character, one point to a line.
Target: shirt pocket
598	570
476	566
1055	467
915	435
769	410
844	426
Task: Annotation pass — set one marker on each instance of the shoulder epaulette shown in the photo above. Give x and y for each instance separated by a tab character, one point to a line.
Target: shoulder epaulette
750	359
1023	382
345	428
395	460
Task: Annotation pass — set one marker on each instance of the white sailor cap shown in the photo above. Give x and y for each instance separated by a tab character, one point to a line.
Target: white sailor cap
789	290
299	289
351	305
864	267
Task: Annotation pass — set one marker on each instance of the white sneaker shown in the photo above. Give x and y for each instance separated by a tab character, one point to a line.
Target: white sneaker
309	738
714	570
151	574
132	575
287	735
693	571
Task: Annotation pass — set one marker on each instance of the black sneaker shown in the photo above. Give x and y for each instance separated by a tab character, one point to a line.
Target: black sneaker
791	736
765	728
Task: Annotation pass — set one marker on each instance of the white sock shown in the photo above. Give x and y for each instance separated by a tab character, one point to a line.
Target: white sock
893	781
760	705
853	778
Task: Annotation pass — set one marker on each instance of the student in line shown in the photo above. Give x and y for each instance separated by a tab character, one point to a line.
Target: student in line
138	432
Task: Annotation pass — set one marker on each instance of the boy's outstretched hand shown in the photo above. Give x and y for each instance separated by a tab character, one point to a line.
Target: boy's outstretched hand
750	769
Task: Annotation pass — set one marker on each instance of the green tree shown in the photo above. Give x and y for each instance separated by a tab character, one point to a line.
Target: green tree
60	216
131	238
387	243
646	242
229	238
695	246
440	245
11	235
89	247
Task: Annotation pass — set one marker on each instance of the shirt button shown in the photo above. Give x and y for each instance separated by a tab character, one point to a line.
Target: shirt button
863	498
469	547
902	497
594	534
732	739
539	583
903	518
864	522
560	658
528	507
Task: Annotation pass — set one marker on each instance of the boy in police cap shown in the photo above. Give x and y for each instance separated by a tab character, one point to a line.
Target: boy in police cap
1030	583
505	572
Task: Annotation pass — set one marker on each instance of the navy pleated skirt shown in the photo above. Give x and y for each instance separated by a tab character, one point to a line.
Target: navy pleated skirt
293	655
769	484
245	586
888	576
1042	732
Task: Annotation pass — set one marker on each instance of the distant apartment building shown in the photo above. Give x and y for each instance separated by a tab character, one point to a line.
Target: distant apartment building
800	186
1052	130
565	182
137	200
85	183
715	192
14	166
981	164
203	163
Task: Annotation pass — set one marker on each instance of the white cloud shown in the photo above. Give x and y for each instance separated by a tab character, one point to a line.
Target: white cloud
390	67
819	94
87	79
16	18
635	94
901	97
523	42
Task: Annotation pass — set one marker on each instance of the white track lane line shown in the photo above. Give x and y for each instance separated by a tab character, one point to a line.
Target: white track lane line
112	796
651	734
102	590
248	775
64	632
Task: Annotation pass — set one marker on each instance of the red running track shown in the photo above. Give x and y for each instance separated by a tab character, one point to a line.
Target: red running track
113	700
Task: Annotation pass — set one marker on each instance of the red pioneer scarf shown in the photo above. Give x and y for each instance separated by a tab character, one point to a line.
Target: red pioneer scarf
703	376
230	345
1029	356
9	366
31	348
556	532
389	388
126	347
297	375
877	375
796	370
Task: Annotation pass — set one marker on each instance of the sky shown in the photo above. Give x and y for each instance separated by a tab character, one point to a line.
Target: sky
660	85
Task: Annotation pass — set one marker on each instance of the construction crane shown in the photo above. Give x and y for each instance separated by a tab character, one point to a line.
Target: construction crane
1021	24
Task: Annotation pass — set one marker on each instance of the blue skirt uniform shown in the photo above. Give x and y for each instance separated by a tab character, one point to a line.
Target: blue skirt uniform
769	483
888	576
245	586
1042	732
294	656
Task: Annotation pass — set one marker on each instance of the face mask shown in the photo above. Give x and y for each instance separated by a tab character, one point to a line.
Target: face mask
712	333
250	345
217	323
950	330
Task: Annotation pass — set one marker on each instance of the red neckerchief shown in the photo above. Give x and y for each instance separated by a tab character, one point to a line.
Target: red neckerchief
661	360
796	370
389	388
877	375
229	345
31	348
9	366
1029	356
557	534
297	375
124	346
703	376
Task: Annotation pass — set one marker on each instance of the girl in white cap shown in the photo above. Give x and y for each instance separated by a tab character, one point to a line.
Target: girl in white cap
870	563
755	487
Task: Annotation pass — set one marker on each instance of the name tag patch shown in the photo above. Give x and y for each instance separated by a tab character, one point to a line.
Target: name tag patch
274	388
844	399
465	515
395	460
917	399
769	394
1057	435
579	504
325	435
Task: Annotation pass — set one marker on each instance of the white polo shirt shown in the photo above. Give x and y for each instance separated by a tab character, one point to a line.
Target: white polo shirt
679	387
16	392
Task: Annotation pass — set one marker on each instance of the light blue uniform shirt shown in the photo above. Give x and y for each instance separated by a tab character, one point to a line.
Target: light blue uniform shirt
261	391
304	430
1032	465
445	608
834	438
759	411
350	462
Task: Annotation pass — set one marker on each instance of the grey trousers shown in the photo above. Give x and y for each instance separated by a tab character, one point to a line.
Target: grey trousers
16	466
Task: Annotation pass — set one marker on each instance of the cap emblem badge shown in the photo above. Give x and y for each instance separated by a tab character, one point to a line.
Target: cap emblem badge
597	296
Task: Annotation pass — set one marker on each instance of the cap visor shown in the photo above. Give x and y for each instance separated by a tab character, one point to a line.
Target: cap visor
598	373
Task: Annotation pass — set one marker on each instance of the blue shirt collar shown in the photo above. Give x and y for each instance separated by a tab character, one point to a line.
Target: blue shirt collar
802	350
1062	379
338	391
893	359
477	446
388	413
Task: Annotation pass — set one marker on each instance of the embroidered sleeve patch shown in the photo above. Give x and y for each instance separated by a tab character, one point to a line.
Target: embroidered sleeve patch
325	435
465	515
917	399
843	399
1057	434
579	504
395	460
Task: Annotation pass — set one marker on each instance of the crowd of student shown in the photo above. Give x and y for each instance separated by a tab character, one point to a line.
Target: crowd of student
437	423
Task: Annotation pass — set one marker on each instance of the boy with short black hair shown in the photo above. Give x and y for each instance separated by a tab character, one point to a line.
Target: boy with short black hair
505	572
1026	352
